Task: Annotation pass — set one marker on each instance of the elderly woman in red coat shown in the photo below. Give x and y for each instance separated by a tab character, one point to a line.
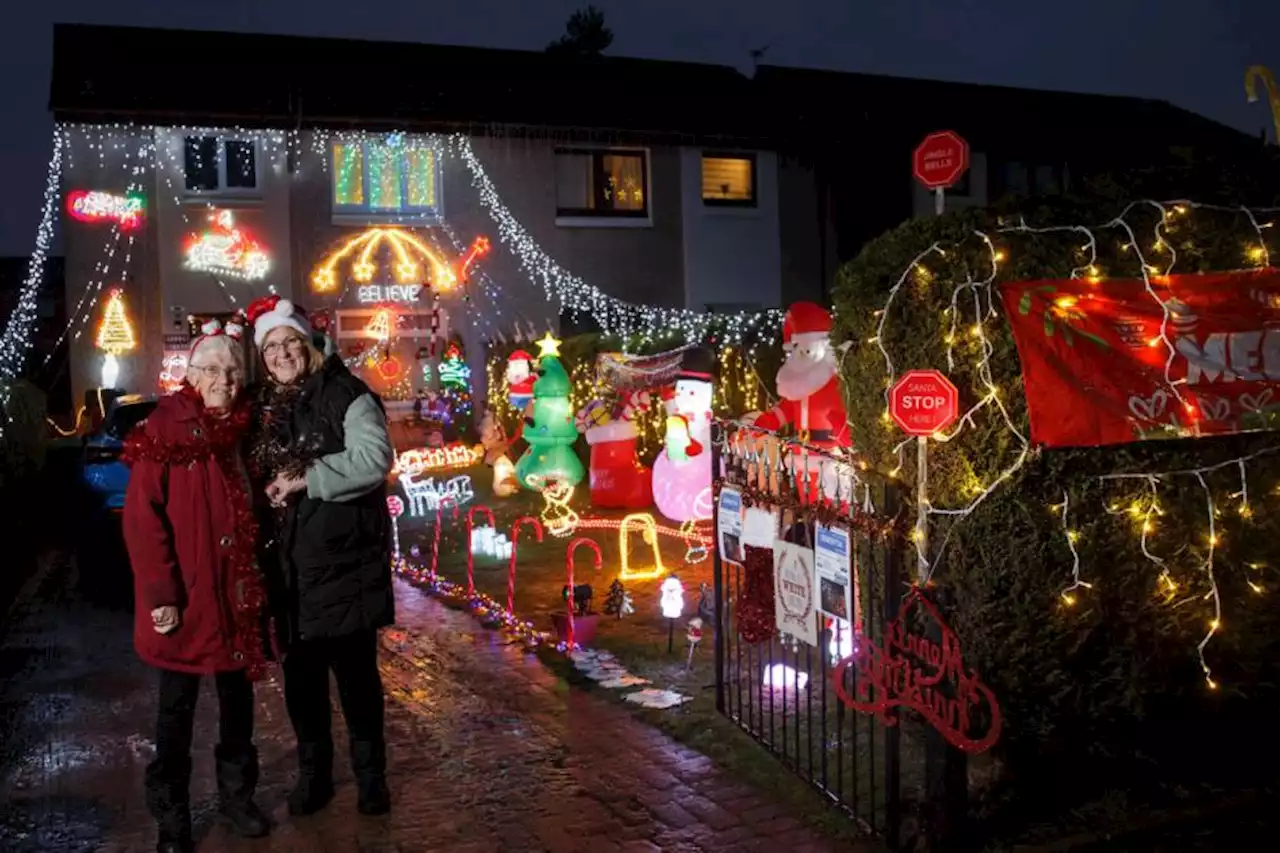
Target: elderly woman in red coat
189	527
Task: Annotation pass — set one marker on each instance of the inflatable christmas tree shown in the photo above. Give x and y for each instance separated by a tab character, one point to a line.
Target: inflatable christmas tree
550	431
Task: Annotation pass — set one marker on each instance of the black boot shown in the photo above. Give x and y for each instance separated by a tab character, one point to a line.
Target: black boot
314	788
369	761
237	771
168	785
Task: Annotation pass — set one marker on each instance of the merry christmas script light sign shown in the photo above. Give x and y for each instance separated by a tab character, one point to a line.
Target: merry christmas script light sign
910	671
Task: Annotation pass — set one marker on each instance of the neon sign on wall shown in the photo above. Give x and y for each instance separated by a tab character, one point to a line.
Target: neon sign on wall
225	249
372	294
96	206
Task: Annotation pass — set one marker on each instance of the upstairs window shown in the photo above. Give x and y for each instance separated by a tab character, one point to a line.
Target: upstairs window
386	178
220	165
606	183
728	180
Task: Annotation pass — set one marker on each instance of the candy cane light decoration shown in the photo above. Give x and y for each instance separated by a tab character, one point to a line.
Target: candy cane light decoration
435	539
568	568
471	556
515	549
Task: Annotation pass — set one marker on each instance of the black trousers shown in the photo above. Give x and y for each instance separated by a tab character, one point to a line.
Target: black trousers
354	661
168	776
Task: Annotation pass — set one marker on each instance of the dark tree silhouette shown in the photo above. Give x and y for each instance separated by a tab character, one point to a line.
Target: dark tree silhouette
584	35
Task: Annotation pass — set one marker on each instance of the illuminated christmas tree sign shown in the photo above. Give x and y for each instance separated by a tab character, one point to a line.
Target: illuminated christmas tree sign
115	337
96	206
225	249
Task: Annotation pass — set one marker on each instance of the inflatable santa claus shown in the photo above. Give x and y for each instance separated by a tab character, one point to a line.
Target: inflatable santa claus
812	406
520	378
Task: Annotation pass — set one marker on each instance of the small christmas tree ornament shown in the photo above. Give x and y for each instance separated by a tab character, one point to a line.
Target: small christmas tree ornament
618	601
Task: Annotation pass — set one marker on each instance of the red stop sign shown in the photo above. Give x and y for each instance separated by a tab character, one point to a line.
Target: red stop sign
923	402
941	159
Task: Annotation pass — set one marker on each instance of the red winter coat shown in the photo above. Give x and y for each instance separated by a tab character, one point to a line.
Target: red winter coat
190	530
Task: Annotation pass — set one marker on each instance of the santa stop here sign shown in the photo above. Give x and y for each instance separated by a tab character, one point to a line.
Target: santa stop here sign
923	402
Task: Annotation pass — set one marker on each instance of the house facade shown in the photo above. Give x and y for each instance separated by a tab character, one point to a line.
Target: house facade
403	234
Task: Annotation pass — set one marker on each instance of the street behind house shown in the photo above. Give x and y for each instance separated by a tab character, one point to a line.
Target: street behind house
489	750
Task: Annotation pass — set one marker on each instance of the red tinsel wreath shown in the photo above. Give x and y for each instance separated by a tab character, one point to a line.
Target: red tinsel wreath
756	619
220	441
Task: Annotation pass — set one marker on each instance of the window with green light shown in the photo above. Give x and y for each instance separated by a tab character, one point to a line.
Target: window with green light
385	177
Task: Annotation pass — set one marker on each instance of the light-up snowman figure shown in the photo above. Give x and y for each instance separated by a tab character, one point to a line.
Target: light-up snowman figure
682	471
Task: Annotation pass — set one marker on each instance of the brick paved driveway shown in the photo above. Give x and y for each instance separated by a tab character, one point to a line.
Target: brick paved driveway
489	752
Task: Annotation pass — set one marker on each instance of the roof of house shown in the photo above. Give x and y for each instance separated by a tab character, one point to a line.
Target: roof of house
204	77
833	104
200	77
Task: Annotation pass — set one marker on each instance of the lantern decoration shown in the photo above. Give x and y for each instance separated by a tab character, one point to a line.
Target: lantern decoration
115	337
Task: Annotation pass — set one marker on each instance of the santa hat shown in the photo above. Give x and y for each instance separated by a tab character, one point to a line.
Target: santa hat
697	363
234	329
806	322
520	355
272	312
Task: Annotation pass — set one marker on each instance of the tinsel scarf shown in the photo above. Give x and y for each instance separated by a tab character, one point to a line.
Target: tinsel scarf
220	442
270	452
756	619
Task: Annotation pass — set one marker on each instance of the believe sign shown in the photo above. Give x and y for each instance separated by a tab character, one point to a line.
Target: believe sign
940	160
923	402
372	294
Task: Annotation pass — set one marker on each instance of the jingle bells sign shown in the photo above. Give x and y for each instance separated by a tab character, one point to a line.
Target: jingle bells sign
908	670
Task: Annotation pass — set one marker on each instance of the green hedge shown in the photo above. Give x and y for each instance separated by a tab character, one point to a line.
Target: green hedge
1114	678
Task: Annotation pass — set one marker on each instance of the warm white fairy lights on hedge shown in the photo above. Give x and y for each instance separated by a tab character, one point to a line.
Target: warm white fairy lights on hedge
985	310
16	341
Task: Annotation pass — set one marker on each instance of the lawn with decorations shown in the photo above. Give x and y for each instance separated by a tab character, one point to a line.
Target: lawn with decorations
639	639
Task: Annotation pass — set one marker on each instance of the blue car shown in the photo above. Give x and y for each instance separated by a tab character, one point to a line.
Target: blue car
102	472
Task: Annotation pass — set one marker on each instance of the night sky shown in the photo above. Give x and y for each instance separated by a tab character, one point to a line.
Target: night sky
1190	52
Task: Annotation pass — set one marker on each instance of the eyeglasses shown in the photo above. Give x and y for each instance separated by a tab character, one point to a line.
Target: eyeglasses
211	372
294	345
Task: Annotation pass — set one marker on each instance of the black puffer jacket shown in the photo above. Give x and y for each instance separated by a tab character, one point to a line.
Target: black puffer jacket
336	554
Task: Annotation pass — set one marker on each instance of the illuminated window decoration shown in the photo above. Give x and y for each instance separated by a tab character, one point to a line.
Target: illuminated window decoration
405	254
126	210
682	471
426	495
225	249
387	174
551	457
671	598
115	337
173	370
454	455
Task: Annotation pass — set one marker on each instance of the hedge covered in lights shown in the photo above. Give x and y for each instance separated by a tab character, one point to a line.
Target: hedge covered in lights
1109	669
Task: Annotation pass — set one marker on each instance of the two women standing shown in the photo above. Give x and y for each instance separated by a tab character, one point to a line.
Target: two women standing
286	557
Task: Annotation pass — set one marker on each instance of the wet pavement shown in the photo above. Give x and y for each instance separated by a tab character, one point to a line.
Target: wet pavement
489	751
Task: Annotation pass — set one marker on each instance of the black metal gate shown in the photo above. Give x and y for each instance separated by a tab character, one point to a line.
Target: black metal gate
862	765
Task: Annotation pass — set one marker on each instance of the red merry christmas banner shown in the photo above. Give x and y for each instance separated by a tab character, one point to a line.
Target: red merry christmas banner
1094	361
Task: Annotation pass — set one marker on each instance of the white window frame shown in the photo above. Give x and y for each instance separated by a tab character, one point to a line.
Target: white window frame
223	191
605	220
364	214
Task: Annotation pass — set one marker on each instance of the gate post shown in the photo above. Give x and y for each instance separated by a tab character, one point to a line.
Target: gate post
946	768
894	552
717	481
